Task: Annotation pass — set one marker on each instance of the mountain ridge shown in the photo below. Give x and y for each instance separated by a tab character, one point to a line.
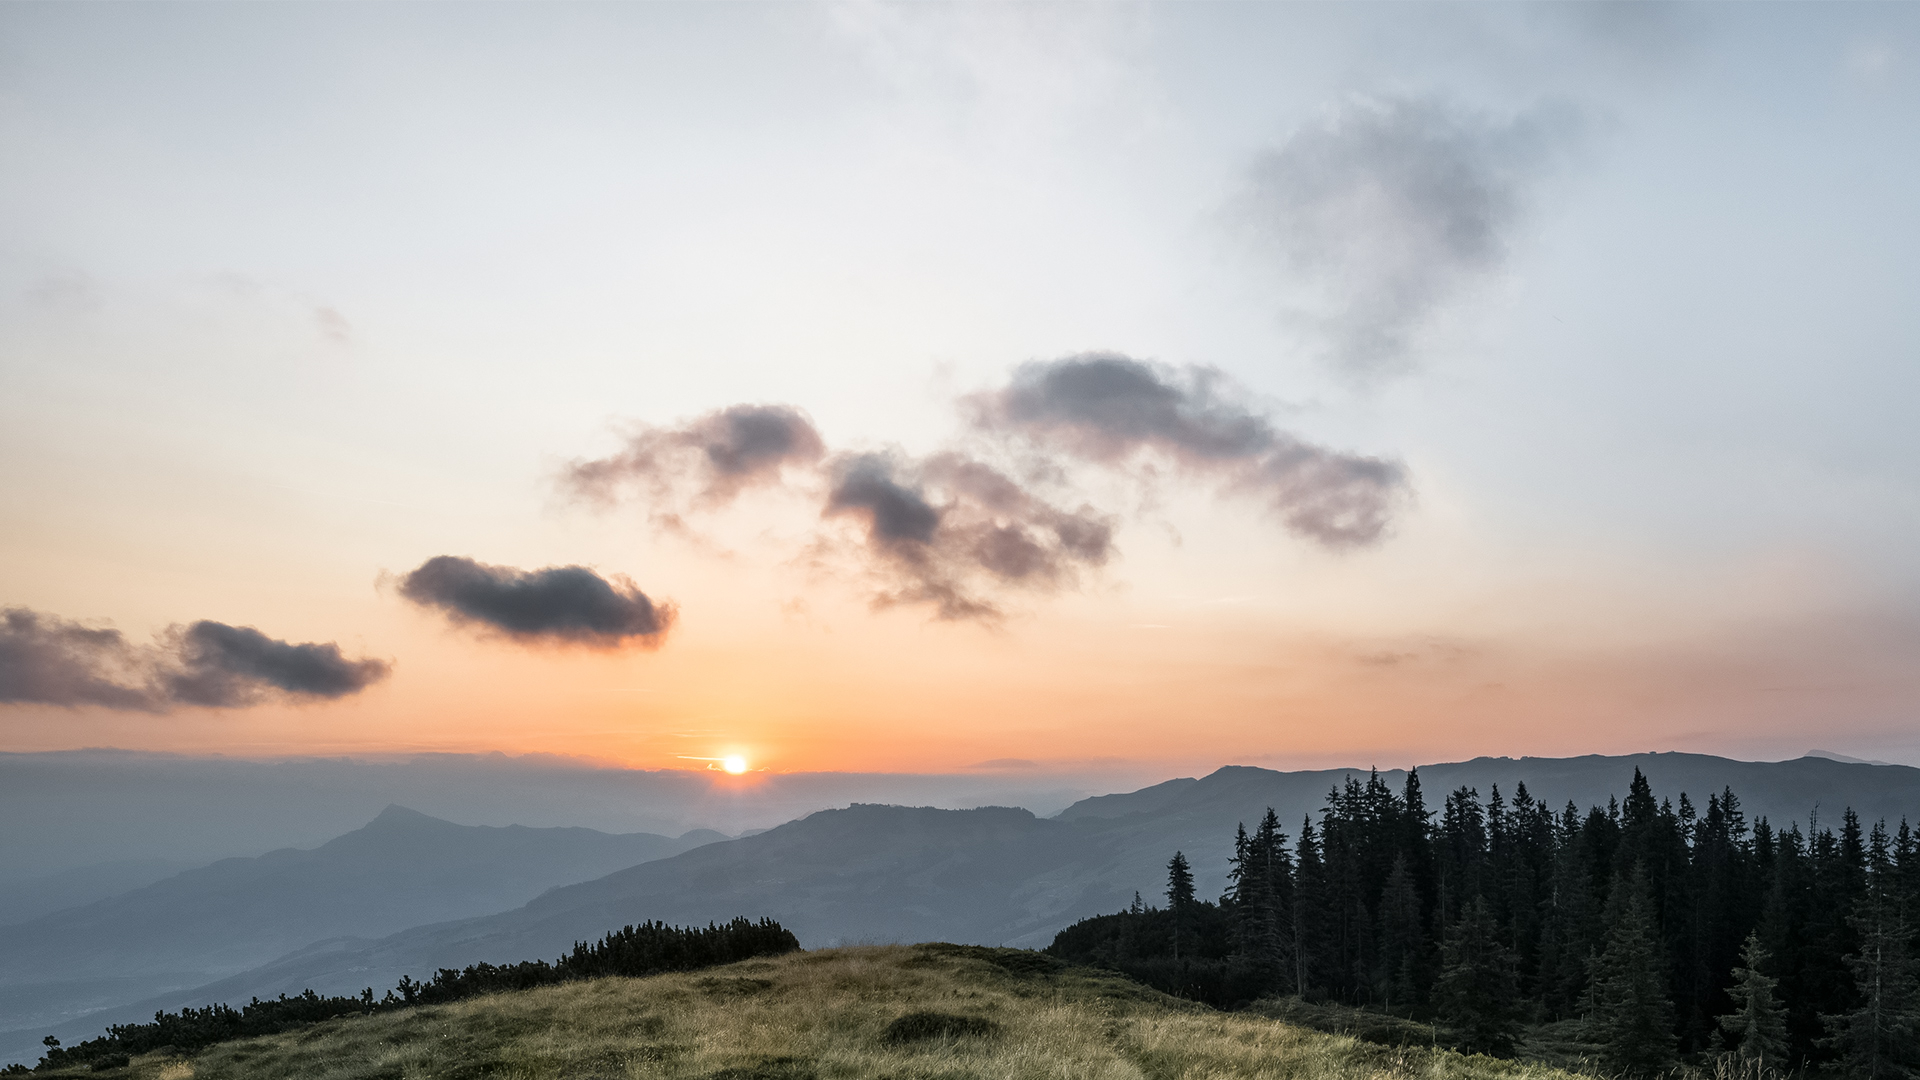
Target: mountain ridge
991	876
401	869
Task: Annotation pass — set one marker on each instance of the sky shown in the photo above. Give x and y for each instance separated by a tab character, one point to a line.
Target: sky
997	388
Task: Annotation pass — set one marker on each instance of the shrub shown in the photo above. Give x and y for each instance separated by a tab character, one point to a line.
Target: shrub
923	1026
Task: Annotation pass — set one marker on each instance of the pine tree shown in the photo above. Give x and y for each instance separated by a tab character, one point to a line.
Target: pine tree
1566	937
1308	923
1243	895
1757	1029
1403	946
1880	1039
1179	894
1271	870
1462	849
1255	905
1479	987
1626	1009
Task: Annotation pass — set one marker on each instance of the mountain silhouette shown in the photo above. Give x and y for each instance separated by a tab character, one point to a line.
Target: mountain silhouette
402	869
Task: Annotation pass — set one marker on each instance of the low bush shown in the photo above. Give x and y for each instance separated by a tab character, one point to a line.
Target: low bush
647	949
923	1026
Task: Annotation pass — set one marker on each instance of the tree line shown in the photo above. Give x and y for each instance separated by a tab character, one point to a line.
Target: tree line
1658	932
648	949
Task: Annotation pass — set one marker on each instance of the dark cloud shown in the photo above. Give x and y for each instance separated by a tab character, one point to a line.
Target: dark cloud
950	531
1108	408
1388	208
224	666
706	462
48	660
569	604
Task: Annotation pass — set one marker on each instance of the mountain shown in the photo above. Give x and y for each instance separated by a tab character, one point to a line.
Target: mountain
66	810
1831	756
996	875
402	869
37	896
859	874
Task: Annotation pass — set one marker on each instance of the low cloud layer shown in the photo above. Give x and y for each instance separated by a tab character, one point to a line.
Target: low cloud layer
951	532
48	660
557	604
1108	408
705	463
1387	210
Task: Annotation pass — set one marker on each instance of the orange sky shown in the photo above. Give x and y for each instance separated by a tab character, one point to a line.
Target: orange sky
283	316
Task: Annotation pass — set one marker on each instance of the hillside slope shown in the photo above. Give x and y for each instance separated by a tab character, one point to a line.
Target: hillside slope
402	869
862	874
917	1013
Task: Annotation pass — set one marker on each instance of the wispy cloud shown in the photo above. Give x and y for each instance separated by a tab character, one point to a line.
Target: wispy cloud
703	464
45	659
332	326
557	604
1110	409
961	532
950	531
1386	210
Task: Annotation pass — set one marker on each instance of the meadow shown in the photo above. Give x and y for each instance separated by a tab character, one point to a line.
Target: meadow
925	1012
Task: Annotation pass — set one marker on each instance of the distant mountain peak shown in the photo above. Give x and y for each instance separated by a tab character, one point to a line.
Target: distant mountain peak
1831	756
395	814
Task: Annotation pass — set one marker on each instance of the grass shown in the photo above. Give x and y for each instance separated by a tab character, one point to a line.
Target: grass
927	1012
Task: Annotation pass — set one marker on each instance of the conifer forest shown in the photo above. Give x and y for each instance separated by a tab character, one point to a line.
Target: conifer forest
1654	933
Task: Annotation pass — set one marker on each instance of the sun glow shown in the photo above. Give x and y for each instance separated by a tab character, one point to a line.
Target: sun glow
734	764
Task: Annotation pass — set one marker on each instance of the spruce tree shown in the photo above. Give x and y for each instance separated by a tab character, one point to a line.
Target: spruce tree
1479	988
1626	1009
1259	878
1401	979
1243	897
1566	935
1272	869
1757	1029
1179	895
1308	923
1880	1039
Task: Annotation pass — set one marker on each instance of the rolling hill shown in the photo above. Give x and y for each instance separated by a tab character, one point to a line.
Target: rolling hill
400	870
920	1012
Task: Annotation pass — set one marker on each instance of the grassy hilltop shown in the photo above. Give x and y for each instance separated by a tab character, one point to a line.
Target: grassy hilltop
928	1012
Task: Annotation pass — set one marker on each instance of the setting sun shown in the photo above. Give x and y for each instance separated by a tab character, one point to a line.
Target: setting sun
734	763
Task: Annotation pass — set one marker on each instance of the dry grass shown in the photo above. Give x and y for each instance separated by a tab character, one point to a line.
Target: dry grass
825	1016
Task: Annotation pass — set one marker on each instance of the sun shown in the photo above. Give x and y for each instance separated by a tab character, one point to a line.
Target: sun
734	764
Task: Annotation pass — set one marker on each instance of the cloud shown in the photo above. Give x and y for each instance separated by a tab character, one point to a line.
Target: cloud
563	604
68	290
703	464
1108	408
1387	210
224	666
949	531
952	531
332	326
48	660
